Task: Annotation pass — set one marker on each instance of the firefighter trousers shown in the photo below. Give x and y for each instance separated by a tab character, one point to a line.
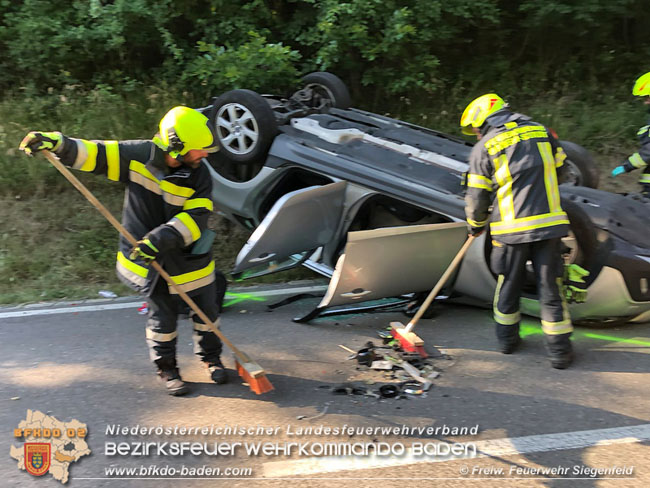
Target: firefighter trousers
162	321
509	262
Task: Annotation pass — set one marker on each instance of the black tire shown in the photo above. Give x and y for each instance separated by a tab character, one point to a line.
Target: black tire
581	170
582	243
329	86
583	231
244	124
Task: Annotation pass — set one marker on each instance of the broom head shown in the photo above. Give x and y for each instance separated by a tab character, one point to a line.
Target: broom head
254	375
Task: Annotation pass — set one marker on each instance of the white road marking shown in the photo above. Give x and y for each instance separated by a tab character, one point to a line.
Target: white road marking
488	448
116	306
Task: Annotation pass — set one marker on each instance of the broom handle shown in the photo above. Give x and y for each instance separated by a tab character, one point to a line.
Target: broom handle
120	228
443	279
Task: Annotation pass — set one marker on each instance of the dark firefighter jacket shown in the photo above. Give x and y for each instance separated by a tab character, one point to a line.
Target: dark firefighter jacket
171	206
513	167
641	159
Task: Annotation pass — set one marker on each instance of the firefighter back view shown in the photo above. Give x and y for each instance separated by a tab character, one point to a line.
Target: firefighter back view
641	158
167	205
513	168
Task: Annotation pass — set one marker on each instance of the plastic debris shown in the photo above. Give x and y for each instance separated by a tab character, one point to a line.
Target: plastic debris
318	415
143	310
107	294
15	398
388	391
381	365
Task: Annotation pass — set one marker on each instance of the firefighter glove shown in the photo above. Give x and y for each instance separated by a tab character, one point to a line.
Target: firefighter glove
476	231
40	141
144	250
618	170
575	289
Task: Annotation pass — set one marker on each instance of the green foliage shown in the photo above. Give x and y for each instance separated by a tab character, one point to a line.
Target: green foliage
381	48
255	64
395	45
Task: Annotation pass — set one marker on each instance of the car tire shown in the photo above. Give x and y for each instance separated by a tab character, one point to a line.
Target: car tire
581	169
582	243
329	86
244	124
584	233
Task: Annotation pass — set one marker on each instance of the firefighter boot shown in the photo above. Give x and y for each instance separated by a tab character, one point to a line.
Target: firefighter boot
508	337
173	382
560	351
217	372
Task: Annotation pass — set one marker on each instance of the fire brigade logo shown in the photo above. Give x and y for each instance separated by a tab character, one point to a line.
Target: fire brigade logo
37	457
50	446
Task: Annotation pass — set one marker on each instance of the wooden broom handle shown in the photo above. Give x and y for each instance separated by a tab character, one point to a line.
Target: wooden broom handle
443	279
133	241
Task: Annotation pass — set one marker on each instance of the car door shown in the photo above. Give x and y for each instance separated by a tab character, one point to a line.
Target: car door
298	223
393	261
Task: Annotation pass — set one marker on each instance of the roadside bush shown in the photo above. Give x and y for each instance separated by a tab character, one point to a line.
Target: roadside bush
256	65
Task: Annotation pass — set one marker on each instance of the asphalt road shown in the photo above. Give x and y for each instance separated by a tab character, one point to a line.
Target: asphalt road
533	421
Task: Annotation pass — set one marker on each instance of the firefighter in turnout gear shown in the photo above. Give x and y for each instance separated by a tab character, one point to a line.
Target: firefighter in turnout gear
513	168
640	159
166	207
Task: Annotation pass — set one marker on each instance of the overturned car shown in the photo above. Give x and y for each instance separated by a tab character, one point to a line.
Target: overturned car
376	204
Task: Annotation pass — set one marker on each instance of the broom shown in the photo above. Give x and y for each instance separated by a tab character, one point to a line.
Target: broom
409	340
250	371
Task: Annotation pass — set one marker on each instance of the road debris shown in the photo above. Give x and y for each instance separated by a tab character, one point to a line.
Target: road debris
387	371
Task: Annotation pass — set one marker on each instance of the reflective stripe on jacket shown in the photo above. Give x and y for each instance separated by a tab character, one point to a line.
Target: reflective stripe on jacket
171	206
513	167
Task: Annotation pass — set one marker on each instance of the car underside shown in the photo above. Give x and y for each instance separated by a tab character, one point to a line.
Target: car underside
377	205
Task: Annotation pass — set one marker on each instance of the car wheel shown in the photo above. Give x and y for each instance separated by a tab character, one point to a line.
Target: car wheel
244	124
582	241
580	168
581	248
328	86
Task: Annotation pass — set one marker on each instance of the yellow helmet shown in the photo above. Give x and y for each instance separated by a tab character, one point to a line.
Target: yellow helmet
642	86
183	129
480	109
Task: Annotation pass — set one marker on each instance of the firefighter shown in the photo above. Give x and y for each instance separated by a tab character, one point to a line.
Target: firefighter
640	159
513	167
167	205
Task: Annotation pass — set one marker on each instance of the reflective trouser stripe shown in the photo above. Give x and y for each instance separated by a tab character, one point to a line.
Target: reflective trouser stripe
503	318
200	326
645	178
158	337
564	326
556	328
